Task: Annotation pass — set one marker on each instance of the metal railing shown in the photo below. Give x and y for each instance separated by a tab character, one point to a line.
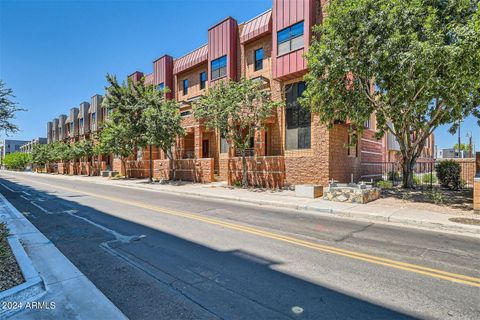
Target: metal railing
424	173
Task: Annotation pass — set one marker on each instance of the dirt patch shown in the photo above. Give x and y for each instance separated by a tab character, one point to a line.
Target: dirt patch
10	273
439	200
475	222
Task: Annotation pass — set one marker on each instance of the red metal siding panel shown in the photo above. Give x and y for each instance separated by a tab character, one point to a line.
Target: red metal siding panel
191	59
222	40
257	27
285	13
163	72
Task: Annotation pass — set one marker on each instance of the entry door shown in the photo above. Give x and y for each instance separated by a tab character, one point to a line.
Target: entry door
205	150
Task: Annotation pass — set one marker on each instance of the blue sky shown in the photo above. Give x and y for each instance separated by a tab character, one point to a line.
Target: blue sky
55	54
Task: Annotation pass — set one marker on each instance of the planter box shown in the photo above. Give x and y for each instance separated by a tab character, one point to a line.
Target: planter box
108	174
308	191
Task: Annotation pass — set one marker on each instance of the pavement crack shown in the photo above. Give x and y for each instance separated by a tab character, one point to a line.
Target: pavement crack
354	232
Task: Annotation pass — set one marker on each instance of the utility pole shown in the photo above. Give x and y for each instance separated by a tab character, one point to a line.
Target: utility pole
459	140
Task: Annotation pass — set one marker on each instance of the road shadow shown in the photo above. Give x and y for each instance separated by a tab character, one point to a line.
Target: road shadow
153	274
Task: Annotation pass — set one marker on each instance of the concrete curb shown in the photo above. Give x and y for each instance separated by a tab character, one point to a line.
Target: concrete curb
465	230
350	214
33	287
74	295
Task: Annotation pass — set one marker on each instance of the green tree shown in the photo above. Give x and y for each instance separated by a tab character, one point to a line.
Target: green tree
17	160
163	123
463	146
116	138
126	120
61	152
8	109
41	154
413	63
237	110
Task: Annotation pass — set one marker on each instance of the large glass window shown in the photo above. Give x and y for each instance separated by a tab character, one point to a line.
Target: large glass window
298	119
259	59
81	123
223	144
185	86
94	118
290	39
219	67
161	86
203	80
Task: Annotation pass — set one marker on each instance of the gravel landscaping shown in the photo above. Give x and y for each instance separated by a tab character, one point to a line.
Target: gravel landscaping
438	200
10	273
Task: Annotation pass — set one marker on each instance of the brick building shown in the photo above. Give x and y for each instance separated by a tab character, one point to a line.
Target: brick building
293	149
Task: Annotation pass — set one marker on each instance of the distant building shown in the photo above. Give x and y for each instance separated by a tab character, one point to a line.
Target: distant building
8	146
28	147
451	153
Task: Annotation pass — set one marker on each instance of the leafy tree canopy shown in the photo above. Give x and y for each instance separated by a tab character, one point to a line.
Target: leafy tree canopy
8	109
413	63
237	110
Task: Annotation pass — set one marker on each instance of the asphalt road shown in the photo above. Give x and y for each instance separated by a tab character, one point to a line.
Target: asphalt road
160	256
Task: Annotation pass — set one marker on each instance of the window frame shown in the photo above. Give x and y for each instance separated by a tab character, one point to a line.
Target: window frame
294	111
222	65
292	33
185	86
203	82
258	63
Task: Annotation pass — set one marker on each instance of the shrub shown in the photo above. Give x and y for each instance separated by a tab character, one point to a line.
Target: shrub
416	179
384	184
426	178
16	160
437	197
393	175
448	173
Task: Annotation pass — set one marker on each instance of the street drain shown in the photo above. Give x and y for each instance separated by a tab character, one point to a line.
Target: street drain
471	221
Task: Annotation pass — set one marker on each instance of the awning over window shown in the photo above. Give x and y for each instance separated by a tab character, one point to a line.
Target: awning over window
257	27
191	59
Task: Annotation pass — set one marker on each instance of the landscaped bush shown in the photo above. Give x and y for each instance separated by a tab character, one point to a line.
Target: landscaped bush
16	160
393	176
448	173
426	178
416	180
384	184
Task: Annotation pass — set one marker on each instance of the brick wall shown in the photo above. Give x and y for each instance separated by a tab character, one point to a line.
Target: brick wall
196	170
262	171
342	164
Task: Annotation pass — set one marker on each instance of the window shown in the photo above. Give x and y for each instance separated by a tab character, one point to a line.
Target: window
203	79
366	125
81	123
219	67
94	118
223	144
290	39
352	147
185	113
259	59
161	86
185	86
298	126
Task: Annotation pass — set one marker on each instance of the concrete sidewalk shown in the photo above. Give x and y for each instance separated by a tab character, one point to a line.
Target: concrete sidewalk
68	293
399	216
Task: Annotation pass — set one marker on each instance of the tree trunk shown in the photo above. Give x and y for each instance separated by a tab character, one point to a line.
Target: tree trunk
124	165
407	168
244	171
150	178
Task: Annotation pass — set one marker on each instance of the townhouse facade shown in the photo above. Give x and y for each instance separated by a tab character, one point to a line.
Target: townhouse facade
294	148
28	147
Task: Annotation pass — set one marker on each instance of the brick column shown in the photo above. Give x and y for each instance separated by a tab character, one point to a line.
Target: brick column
198	138
260	143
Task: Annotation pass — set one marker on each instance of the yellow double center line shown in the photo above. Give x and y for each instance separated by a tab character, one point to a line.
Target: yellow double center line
435	273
